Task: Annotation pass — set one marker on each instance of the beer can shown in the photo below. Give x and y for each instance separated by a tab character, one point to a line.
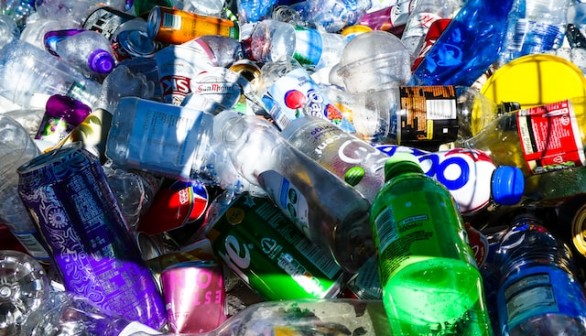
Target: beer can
194	296
68	197
175	26
269	253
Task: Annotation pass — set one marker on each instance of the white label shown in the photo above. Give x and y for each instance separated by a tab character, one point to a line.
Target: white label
136	327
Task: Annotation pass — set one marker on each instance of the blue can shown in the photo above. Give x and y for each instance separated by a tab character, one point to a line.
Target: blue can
71	203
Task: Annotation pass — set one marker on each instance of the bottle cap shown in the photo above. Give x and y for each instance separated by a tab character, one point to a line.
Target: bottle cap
508	185
101	61
401	163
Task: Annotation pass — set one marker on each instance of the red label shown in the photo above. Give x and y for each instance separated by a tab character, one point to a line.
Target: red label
550	137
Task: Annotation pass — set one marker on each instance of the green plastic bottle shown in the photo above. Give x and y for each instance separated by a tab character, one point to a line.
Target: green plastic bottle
431	284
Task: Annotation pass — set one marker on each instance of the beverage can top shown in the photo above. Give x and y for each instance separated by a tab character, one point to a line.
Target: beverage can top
56	165
154	22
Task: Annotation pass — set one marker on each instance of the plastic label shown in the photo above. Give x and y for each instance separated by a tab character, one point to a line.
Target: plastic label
427	113
308	46
550	137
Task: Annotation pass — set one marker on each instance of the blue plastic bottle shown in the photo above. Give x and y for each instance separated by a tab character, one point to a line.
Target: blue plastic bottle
539	292
468	47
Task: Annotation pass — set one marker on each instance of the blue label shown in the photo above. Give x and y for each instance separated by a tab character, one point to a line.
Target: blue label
308	46
537	291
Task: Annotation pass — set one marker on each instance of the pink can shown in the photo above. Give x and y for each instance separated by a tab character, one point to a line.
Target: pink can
195	297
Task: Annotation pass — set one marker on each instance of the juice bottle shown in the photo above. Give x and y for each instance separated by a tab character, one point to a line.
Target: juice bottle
430	281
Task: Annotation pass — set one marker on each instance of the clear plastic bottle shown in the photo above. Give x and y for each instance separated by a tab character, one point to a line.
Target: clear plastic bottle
87	50
431	284
328	211
273	40
534	26
539	293
424	13
250	11
334	15
24	288
16	148
289	92
29	76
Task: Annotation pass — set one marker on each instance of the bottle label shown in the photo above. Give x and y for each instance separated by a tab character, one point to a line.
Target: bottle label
296	95
464	172
288	198
308	46
539	291
164	139
550	137
427	113
406	233
418	26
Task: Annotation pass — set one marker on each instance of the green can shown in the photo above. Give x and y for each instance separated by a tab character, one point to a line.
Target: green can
267	251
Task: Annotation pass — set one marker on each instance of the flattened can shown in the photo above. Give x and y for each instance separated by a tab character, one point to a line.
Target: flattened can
269	253
194	295
69	199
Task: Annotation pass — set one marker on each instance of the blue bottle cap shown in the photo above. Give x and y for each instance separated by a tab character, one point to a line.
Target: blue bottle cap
508	185
101	61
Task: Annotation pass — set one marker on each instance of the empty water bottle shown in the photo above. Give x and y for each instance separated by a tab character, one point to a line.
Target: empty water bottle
539	292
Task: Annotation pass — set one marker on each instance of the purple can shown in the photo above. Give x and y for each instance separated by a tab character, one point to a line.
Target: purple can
195	296
72	205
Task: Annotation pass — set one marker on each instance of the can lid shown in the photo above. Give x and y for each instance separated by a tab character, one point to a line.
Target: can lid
137	43
401	163
508	185
101	61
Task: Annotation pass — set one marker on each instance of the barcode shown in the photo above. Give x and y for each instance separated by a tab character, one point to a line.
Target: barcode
321	260
386	229
525	136
440	109
32	245
171	21
519	35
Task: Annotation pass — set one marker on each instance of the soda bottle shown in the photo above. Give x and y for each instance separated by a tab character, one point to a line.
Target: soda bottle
538	139
534	26
329	212
430	281
539	292
468	47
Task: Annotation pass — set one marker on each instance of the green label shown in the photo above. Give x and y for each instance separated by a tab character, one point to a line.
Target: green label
267	251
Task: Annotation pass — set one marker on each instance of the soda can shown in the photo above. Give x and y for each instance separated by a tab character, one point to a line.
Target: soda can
68	197
175	26
194	295
175	205
269	253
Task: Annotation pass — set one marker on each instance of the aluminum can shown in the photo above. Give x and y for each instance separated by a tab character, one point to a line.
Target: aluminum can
106	21
174	26
270	254
69	199
195	296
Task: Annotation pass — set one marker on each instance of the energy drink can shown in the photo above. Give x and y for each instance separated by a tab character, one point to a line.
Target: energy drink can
68	197
269	253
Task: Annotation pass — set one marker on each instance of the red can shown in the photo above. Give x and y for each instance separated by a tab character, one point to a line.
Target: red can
175	205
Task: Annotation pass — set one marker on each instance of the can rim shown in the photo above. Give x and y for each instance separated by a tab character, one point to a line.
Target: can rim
154	22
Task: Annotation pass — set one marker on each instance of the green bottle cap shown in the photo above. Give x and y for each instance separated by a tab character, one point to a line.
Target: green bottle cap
401	163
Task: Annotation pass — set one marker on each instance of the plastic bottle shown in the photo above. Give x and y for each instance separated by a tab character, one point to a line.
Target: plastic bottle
18	10
430	281
29	75
351	159
8	30
539	292
250	11
424	13
534	26
288	92
334	15
472	178
16	148
24	288
538	140
468	47
86	50
273	40
329	212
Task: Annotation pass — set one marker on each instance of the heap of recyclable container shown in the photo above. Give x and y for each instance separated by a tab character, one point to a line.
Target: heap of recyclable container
266	167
